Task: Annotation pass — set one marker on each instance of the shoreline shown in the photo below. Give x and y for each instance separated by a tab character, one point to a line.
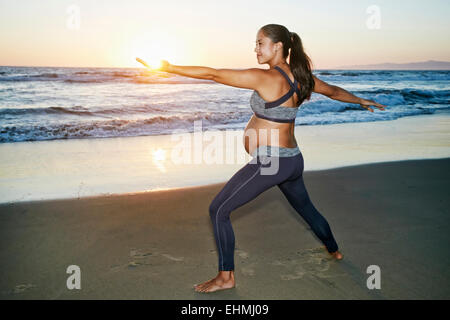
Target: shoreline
196	187
69	169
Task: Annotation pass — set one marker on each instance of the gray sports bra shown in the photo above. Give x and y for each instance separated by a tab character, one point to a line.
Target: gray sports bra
272	110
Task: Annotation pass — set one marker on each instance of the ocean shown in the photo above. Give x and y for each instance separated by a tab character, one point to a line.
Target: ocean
52	103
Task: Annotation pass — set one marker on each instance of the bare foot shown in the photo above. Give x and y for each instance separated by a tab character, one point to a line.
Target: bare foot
335	254
224	280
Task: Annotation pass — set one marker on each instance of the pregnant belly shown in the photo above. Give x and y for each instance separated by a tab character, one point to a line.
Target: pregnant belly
261	132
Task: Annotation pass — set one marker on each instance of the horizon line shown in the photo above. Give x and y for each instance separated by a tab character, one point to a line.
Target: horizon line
330	68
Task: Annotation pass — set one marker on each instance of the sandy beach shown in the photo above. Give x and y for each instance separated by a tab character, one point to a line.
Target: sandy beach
157	245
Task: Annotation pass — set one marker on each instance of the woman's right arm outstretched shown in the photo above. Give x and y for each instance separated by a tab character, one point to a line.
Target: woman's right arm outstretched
252	78
337	93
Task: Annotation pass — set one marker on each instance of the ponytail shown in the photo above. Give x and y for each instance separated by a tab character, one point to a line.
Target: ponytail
300	65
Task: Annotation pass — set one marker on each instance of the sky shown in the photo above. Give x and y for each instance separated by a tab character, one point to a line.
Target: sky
219	34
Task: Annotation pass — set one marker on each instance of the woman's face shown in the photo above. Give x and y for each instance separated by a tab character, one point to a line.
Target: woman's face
265	48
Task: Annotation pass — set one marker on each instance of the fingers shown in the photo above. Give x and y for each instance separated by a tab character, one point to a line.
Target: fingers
367	107
378	105
143	62
373	103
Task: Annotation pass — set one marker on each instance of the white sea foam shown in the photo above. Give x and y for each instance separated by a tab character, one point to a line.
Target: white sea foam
38	103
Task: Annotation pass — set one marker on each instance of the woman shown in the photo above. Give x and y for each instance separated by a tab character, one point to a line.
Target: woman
294	83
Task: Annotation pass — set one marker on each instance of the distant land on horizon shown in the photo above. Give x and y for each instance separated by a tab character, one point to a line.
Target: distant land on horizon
423	65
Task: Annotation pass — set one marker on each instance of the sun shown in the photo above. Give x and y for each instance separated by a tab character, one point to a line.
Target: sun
149	44
152	48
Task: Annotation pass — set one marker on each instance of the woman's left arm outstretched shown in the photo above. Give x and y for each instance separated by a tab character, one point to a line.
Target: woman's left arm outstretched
340	94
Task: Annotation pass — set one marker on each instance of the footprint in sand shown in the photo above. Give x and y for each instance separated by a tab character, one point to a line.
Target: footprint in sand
138	254
242	253
23	287
134	264
140	257
115	268
168	256
295	276
248	270
313	262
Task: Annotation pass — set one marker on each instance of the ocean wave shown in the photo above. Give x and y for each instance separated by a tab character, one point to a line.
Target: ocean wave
100	76
84	111
77	110
317	104
117	127
162	124
408	95
382	75
45	75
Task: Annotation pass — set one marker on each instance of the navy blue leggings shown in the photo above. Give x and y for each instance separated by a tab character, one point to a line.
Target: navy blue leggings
261	173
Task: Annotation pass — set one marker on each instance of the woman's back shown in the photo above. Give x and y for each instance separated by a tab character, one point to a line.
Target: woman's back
283	108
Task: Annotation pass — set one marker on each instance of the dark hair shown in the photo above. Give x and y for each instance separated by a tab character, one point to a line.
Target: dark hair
299	62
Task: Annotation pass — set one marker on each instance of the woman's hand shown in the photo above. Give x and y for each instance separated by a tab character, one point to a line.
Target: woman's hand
164	65
367	103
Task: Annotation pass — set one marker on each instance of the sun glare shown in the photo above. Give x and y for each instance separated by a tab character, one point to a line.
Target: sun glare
159	155
152	49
